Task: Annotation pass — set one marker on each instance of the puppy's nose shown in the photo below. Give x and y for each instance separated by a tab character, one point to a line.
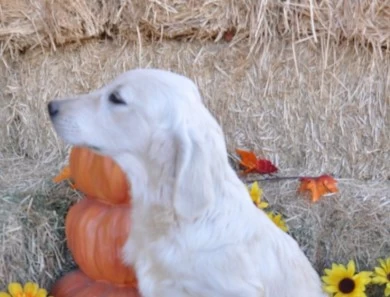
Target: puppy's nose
53	108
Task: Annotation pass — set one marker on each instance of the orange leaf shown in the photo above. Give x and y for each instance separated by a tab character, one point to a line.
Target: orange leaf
63	175
329	182
318	186
253	164
248	160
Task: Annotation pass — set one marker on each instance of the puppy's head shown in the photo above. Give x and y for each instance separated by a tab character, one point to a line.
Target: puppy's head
122	115
145	112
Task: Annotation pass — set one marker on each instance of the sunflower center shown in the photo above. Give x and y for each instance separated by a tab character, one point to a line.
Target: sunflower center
388	276
346	285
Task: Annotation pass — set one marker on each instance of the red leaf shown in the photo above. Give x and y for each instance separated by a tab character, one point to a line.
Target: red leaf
265	167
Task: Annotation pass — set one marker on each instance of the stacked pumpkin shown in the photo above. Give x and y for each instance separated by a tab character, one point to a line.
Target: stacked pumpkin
97	228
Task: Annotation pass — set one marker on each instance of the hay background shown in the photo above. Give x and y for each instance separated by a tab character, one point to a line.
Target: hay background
311	107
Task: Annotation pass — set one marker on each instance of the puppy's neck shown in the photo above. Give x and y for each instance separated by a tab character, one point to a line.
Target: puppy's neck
151	181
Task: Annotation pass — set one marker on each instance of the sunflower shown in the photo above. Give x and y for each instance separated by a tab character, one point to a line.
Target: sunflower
256	194
278	220
29	290
341	281
382	275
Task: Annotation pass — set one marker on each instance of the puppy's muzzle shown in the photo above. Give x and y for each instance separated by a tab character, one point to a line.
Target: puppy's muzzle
53	107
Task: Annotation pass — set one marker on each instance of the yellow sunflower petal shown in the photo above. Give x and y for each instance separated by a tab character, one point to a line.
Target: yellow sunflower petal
365	277
15	289
334	265
380	271
263	205
351	268
31	288
331	289
386	267
387	290
327	271
4	294
362	279
331	279
380	276
340	271
379	280
41	293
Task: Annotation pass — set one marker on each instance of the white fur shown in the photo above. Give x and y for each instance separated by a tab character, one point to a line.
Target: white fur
195	231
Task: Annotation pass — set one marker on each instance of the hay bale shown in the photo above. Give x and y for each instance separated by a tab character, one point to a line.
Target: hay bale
353	224
38	23
291	104
30	24
32	244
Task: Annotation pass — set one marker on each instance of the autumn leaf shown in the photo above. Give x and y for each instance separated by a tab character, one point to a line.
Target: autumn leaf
318	186
256	194
265	167
252	164
63	175
248	160
278	220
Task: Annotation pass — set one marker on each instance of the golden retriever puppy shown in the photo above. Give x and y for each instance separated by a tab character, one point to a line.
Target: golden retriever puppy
195	231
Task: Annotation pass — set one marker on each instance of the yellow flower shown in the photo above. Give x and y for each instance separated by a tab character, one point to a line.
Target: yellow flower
277	219
382	275
256	194
29	290
341	281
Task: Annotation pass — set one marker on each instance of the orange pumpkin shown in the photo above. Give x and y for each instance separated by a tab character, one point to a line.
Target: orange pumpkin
98	176
96	228
96	233
77	284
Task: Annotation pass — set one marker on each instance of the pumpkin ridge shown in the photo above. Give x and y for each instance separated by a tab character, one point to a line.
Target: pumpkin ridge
77	284
90	237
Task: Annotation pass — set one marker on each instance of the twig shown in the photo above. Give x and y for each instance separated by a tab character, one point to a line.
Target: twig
250	179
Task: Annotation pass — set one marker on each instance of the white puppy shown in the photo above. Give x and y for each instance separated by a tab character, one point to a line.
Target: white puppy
195	231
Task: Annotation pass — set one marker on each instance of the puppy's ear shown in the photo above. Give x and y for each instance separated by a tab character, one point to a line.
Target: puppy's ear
194	189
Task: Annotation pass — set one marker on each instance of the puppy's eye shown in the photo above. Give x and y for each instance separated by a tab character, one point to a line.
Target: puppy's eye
116	99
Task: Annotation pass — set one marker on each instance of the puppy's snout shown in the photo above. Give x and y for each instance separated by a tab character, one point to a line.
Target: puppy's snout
53	108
